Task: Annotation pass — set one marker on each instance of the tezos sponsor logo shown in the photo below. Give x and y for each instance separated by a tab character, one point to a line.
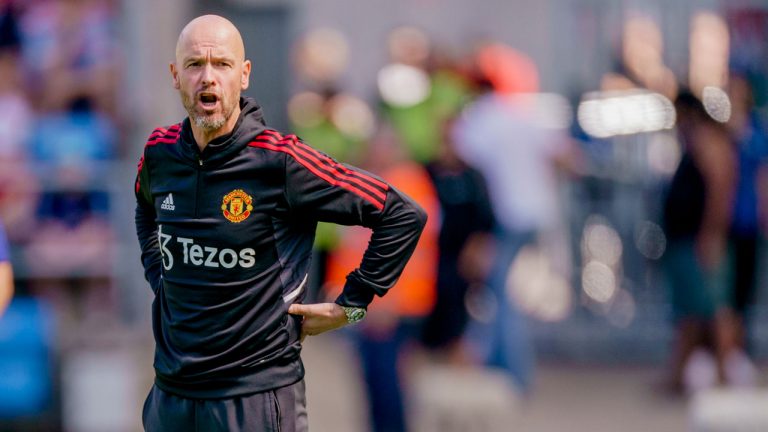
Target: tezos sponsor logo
203	256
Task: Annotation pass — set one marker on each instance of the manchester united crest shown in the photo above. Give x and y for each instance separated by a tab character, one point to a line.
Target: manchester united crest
236	206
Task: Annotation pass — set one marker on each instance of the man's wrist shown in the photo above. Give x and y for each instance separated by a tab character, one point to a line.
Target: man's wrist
355	294
354	314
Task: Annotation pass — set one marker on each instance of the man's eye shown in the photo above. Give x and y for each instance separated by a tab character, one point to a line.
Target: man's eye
193	64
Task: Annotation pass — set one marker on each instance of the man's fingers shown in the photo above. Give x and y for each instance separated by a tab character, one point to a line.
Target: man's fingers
297	309
317	310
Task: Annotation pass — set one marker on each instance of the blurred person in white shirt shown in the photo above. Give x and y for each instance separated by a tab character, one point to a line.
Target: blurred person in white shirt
506	134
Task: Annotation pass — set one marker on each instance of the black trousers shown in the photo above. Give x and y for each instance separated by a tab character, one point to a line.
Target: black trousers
745	270
278	410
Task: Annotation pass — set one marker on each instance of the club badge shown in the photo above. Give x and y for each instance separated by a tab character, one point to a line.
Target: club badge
236	206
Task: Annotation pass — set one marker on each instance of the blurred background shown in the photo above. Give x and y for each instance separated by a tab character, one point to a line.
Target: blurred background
594	172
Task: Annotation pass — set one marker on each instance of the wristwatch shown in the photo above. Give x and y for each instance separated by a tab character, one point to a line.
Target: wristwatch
354	314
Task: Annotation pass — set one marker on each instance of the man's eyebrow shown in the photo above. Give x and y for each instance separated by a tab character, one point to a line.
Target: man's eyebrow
214	57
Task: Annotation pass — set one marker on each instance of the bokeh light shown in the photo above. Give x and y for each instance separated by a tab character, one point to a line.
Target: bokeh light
622	309
642	51
710	46
536	288
408	45
663	153
402	85
650	239
481	304
352	116
606	114
601	242
598	281
322	55
305	109
716	103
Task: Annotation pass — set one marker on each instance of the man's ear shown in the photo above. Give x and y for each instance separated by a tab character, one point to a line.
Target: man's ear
175	75
245	78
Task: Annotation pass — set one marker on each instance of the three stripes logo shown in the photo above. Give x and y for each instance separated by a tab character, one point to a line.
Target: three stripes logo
364	186
168	203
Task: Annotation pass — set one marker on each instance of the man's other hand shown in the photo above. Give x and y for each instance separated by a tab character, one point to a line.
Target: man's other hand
319	318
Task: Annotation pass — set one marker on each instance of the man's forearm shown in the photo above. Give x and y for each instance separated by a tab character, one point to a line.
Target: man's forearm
392	243
151	259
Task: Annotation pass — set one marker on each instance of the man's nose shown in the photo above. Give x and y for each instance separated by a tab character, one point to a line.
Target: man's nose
208	79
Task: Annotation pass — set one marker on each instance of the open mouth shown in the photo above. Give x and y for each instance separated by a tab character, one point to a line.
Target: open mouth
208	100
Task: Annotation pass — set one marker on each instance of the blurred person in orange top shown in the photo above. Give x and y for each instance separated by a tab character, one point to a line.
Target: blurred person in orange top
392	323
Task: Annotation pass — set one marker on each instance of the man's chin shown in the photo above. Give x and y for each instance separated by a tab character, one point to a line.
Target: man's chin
209	122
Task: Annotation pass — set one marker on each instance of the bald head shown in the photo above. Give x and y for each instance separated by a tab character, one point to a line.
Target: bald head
210	30
210	71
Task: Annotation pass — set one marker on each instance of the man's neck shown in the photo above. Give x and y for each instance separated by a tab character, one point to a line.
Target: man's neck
203	137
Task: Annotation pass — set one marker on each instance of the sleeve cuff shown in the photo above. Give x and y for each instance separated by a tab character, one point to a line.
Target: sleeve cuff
355	294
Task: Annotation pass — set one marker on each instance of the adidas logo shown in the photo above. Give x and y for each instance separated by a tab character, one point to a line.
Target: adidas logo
168	203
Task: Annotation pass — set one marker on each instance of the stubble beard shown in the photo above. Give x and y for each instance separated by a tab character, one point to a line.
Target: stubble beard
207	122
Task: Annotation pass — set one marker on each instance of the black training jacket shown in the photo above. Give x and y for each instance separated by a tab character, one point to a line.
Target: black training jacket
226	237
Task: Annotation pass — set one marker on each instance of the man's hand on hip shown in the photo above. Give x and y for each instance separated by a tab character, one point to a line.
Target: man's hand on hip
319	318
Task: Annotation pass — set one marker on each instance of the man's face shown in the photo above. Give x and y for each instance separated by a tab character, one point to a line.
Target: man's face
210	73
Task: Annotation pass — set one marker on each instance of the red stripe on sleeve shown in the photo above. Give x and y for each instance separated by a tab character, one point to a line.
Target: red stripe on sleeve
329	168
379	204
337	165
324	162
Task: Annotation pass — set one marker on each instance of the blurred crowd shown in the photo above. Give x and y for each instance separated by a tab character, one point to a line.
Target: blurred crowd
500	165
58	133
542	207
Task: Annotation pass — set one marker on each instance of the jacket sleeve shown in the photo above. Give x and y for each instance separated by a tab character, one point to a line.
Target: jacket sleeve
323	189
146	228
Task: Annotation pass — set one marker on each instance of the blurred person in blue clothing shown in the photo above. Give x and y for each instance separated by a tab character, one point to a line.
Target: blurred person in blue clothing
6	272
69	49
747	129
15	122
18	189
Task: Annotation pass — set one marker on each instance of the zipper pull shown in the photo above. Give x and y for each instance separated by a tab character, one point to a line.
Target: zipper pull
200	161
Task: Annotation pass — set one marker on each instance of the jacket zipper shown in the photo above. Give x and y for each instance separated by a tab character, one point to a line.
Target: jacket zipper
197	185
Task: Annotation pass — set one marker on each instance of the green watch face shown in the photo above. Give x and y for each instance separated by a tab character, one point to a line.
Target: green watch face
354	314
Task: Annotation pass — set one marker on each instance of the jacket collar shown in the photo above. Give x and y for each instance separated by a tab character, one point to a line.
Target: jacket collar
249	124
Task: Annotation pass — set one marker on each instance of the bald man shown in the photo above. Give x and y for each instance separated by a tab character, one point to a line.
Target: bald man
226	215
